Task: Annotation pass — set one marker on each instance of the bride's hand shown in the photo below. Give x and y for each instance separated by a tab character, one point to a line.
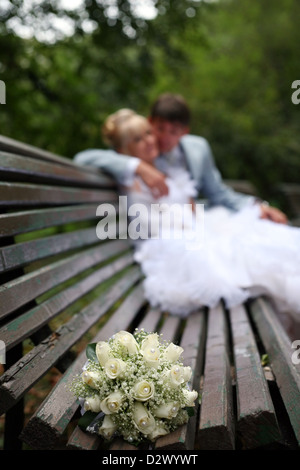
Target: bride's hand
153	178
272	213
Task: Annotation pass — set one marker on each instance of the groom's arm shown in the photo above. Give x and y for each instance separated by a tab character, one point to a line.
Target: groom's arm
216	190
220	194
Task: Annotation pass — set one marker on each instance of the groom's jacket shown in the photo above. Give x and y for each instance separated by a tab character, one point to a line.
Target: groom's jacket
199	161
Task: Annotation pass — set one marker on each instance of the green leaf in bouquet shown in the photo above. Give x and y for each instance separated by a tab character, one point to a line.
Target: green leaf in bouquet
91	352
190	411
86	419
264	360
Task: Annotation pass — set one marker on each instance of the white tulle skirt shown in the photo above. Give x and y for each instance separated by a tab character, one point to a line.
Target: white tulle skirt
240	256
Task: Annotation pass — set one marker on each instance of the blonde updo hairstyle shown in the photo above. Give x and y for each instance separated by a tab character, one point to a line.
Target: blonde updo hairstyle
120	127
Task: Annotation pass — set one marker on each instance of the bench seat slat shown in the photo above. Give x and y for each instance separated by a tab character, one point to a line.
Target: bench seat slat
278	345
256	422
151	320
36	219
216	429
169	328
29	322
193	343
18	168
21	194
26	372
29	286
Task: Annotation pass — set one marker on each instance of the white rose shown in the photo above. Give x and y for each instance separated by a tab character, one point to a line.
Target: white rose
158	432
175	376
142	419
167	410
151	356
143	390
112	403
172	353
151	340
128	341
187	373
108	428
114	368
103	352
190	397
91	378
92	404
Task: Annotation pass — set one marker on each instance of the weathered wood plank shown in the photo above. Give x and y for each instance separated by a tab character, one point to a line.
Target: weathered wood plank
180	439
25	288
256	419
8	144
18	168
292	193
17	255
29	322
216	429
169	328
279	349
120	444
81	440
150	321
20	378
193	342
28	221
21	194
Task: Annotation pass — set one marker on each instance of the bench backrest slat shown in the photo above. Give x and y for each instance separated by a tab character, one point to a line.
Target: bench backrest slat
15	147
15	223
20	168
30	321
21	194
27	287
13	256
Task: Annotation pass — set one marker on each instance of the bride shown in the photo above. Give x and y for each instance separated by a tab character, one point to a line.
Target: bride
238	255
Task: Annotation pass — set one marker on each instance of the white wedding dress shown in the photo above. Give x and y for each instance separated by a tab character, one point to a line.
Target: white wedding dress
237	256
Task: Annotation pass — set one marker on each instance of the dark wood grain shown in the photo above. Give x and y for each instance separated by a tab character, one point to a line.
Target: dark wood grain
17	168
216	428
29	286
29	322
256	418
22	194
16	223
279	348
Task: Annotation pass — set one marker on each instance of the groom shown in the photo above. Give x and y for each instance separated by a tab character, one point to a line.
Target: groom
170	119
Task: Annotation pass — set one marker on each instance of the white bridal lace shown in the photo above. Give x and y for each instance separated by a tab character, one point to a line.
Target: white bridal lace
239	257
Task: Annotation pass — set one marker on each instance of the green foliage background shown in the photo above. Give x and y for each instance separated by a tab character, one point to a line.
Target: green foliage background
233	60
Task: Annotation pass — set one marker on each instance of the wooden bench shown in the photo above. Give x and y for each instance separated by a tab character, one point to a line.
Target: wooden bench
291	196
62	288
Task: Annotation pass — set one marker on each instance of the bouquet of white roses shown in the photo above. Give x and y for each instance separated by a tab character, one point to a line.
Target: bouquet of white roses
134	386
